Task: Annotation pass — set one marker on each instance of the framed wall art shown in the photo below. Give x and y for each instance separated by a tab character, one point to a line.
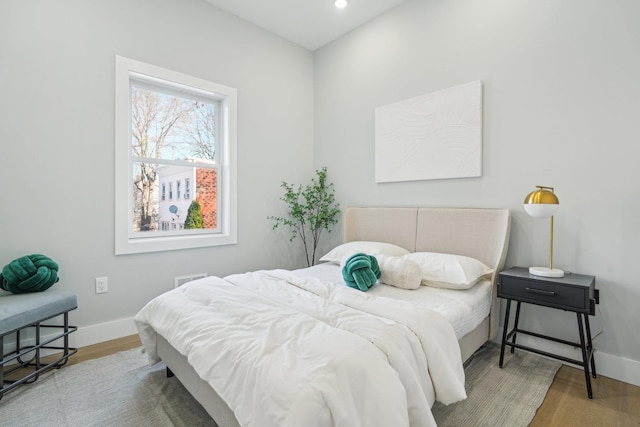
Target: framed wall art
433	136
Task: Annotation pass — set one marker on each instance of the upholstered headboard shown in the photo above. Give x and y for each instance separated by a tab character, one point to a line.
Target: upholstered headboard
478	233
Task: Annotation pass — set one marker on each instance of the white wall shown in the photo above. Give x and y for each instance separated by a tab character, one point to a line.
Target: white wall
57	138
561	108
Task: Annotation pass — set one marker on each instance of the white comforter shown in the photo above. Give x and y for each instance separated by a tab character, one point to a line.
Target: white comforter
287	350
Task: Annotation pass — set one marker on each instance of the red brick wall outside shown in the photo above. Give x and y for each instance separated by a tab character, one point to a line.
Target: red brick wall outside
207	195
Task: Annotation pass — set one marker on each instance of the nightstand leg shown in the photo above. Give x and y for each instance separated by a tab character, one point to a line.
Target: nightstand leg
585	359
515	327
590	346
504	332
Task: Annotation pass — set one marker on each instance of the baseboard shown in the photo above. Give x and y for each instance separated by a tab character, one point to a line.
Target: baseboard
101	332
619	368
608	365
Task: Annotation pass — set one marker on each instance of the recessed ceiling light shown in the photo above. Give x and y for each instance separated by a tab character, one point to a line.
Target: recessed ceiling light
341	4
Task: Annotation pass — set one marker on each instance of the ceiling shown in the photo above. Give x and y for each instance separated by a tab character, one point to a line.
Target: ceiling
309	23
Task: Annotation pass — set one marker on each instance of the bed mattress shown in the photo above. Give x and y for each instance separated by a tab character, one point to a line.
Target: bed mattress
464	310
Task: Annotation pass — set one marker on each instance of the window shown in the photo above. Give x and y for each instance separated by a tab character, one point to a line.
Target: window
172	127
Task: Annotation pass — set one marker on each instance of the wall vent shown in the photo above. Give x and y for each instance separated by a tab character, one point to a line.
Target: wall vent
179	281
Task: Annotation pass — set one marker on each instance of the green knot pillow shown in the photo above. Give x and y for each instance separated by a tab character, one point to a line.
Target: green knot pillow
30	273
361	271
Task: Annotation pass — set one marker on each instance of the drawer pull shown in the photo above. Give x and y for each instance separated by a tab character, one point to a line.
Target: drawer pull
540	292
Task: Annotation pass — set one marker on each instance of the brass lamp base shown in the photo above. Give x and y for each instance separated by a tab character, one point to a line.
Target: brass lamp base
546	272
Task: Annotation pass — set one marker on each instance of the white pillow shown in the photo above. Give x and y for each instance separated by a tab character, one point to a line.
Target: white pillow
449	271
400	272
339	253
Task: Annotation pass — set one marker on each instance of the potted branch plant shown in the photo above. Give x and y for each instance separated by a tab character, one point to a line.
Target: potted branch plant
312	209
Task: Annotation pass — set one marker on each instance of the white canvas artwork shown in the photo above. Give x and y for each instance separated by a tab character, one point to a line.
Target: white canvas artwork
432	136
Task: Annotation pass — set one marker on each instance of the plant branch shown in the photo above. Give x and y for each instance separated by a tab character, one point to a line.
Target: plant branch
311	209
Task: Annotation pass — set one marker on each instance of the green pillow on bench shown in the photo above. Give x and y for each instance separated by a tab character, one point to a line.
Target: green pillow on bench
30	273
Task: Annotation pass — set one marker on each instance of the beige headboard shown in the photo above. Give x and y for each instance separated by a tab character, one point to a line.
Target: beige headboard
478	233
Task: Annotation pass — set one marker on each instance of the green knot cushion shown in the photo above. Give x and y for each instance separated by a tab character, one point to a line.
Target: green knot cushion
361	271
30	273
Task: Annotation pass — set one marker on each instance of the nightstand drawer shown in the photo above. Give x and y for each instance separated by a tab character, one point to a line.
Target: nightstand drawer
544	293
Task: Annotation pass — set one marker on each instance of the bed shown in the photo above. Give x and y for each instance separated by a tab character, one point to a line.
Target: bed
408	348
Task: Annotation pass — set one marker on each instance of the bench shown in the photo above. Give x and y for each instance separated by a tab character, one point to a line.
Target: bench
22	313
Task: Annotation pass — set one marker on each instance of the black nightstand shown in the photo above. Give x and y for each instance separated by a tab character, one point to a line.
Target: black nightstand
574	292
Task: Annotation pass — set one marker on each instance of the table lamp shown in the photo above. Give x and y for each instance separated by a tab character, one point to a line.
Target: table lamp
543	203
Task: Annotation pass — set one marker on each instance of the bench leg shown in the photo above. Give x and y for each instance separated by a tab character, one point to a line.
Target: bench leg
1	367
65	350
37	352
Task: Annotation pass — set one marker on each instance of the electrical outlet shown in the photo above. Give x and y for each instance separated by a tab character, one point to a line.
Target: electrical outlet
102	285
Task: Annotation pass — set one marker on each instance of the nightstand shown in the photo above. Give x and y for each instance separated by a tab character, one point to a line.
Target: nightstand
573	292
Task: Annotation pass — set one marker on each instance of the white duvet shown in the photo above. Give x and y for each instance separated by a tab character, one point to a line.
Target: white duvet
286	350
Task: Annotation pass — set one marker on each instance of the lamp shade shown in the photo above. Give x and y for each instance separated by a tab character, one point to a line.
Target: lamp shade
541	203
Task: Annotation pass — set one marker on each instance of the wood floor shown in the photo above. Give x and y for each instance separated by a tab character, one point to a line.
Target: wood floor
614	403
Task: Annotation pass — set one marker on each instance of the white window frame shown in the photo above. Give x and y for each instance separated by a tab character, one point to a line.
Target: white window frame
226	233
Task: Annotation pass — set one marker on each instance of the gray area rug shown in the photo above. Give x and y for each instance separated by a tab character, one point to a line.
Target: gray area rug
118	390
122	390
500	397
